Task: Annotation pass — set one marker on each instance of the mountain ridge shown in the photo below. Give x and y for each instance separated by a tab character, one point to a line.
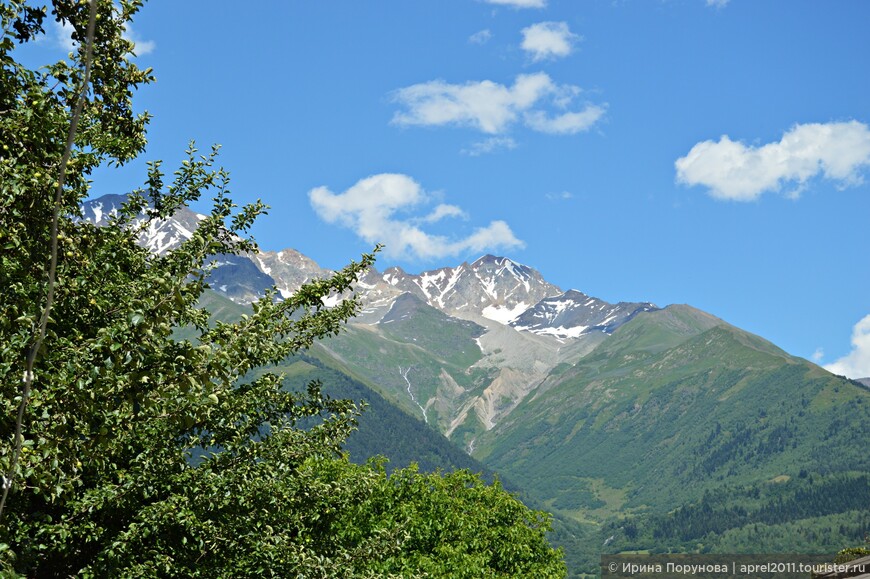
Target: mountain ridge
491	287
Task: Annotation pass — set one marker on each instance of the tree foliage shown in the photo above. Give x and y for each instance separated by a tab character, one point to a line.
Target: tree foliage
102	480
852	553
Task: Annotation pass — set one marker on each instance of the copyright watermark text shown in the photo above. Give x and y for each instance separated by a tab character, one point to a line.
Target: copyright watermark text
720	566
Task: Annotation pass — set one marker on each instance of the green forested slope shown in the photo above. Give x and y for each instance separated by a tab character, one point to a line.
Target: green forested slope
678	409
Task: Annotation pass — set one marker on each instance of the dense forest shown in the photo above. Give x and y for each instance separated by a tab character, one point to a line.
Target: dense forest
757	511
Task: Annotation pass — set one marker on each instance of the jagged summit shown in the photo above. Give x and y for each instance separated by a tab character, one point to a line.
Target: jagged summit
98	210
574	313
491	287
498	261
242	278
486	258
160	236
504	266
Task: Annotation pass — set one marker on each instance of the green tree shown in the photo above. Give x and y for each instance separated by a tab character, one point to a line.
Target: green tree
852	553
454	525
99	469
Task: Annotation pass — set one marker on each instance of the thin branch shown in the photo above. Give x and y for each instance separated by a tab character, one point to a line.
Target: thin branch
52	270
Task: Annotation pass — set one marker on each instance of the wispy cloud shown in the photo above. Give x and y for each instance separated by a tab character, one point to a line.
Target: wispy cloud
371	209
565	123
493	108
564	195
142	47
548	40
855	364
443	211
490	145
519	3
718	3
481	36
732	170
63	35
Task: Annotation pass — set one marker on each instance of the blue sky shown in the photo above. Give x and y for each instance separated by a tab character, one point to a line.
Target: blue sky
714	153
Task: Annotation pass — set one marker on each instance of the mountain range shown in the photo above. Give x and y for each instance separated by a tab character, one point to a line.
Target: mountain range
496	327
642	428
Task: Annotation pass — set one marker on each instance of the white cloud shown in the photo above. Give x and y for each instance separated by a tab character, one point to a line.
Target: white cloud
443	210
370	208
718	3
855	364
732	170
566	123
818	355
480	37
491	107
519	3
490	145
63	35
142	47
548	40
486	105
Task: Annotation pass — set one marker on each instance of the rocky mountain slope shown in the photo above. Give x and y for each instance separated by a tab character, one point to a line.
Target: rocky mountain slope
241	278
517	326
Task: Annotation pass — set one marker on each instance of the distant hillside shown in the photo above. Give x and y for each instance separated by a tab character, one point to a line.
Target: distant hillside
384	429
679	410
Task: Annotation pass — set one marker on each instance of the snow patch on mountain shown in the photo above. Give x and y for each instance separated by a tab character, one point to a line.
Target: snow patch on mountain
263	267
503	314
392	277
332	300
559	332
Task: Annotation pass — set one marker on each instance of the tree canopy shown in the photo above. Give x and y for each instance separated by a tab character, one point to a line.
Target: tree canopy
127	450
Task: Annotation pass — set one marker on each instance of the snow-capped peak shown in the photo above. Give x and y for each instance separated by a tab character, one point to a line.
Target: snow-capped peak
491	287
574	313
160	236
